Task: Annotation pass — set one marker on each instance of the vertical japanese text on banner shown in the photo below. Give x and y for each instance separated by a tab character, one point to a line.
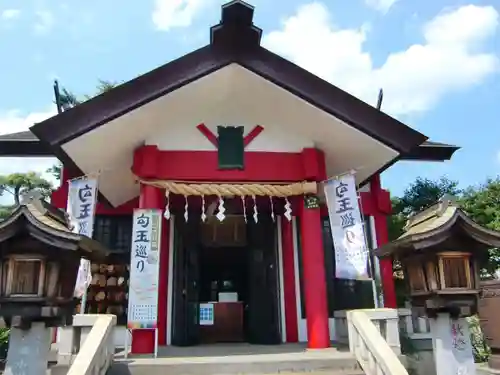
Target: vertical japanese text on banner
144	270
351	252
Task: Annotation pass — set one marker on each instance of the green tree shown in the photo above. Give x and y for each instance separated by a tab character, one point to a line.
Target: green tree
421	194
482	204
56	171
18	183
68	99
5	211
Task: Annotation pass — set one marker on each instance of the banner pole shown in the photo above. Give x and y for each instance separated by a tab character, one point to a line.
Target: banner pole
84	269
370	253
83	304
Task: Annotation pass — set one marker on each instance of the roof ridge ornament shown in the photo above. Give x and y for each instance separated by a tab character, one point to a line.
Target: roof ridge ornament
447	200
29	196
434	210
236	28
33	197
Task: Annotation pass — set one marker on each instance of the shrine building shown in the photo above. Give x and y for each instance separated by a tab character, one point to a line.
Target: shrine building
231	121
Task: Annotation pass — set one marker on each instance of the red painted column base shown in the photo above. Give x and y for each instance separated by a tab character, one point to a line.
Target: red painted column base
318	333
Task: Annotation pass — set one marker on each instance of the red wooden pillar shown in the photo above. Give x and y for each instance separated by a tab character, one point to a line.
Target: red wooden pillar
292	329
313	264
381	231
143	340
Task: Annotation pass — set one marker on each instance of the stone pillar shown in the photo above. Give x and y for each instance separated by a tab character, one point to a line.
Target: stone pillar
28	350
452	346
314	280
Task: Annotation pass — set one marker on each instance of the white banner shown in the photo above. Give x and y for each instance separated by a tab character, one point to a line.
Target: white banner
351	252
144	270
82	199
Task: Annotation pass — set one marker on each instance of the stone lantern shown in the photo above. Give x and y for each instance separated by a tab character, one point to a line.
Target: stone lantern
39	261
440	253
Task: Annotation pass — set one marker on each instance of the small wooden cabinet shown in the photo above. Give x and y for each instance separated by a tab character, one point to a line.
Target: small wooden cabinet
228	324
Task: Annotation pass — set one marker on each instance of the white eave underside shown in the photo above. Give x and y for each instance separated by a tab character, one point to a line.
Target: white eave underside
232	95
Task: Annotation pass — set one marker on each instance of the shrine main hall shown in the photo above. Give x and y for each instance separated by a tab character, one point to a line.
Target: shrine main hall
231	121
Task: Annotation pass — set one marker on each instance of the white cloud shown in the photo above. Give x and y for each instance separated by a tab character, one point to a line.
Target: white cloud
169	14
13	122
414	79
44	22
9	14
382	6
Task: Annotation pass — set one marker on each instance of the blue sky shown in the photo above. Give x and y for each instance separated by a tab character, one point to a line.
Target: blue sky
438	61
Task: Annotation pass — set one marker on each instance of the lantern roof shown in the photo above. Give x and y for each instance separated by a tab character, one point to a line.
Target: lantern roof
444	226
42	221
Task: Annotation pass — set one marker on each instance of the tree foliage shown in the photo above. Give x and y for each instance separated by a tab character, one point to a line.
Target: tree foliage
19	183
56	171
16	184
481	203
68	99
421	194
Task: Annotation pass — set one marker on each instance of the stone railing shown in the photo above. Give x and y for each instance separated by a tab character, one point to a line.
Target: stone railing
373	338
415	327
88	346
384	320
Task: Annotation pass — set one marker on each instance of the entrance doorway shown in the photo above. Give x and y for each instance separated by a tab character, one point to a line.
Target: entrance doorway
230	267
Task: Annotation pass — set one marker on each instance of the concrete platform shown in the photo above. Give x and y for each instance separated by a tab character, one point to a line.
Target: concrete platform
239	359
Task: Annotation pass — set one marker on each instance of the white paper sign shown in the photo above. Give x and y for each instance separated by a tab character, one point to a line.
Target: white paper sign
144	269
82	198
351	252
206	314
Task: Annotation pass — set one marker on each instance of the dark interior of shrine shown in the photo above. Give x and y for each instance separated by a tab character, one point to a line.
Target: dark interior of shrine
224	271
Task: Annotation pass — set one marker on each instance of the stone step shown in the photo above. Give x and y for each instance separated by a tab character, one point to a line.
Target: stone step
166	371
284	360
237	369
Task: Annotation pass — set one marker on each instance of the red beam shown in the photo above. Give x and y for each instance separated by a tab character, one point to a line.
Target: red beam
208	134
252	135
152	163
